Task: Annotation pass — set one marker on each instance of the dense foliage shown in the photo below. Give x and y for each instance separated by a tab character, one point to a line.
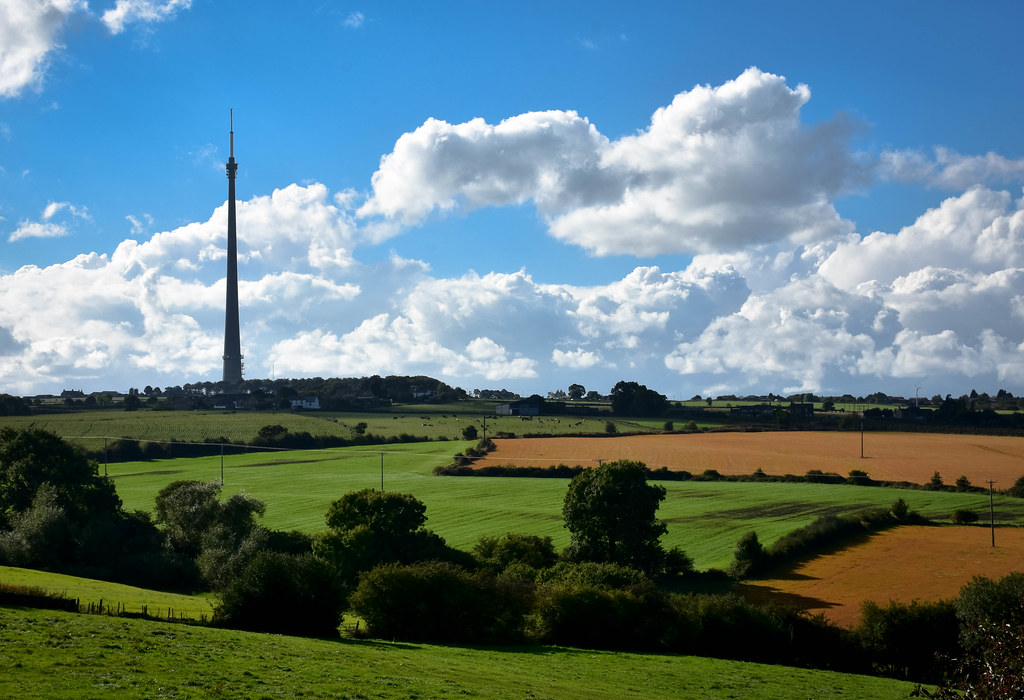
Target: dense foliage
632	399
610	514
283	594
368	528
57	513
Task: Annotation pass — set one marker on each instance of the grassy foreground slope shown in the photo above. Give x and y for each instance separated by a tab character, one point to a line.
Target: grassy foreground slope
51	654
704	518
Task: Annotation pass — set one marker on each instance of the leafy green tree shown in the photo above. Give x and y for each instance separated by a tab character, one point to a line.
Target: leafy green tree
469	433
576	392
40	536
31	458
992	670
369	527
186	510
512	548
899	509
1017	490
633	399
610	514
57	513
13	406
190	511
750	558
983	603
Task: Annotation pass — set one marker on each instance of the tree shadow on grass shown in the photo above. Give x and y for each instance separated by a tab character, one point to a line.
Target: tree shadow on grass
763	593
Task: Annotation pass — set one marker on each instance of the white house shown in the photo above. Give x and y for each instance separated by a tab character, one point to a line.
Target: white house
306	402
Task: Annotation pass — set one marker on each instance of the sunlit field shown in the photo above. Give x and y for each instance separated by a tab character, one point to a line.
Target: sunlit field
704	518
888	456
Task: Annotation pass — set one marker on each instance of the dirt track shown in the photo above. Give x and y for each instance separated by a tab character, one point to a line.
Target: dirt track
904	564
911	457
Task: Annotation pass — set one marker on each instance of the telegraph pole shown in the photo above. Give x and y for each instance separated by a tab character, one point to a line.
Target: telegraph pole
862	437
991	513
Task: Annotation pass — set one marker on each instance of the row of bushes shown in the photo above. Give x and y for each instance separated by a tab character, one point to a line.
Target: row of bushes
463	466
578	606
441	602
828	531
130	450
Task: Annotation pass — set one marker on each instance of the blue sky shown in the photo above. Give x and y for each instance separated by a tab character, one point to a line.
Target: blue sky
704	197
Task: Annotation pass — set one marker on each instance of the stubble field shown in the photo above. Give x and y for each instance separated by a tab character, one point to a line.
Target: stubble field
913	457
903	564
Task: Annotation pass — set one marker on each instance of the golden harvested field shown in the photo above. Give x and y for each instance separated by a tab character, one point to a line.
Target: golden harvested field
904	564
913	457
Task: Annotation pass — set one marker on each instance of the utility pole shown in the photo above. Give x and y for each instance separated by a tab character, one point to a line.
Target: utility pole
222	464
382	472
991	513
862	437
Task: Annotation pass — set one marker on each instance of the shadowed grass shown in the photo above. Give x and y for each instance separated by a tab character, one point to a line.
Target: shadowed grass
51	654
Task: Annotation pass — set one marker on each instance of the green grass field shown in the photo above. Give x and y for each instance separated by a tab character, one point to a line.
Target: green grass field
47	654
89	428
704	518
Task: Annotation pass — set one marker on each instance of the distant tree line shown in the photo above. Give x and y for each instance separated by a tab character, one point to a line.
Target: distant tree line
463	465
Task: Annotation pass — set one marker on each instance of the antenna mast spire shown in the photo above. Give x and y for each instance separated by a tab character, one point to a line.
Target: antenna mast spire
232	342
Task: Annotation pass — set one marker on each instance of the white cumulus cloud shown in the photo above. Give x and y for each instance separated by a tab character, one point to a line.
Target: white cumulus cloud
126	12
37	229
718	169
950	170
29	32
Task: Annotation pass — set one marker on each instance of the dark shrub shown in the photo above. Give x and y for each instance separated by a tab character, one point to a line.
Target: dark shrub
906	640
593	574
639	618
984	602
1017	490
282	594
440	602
729	627
964	516
500	552
900	509
859	477
750	558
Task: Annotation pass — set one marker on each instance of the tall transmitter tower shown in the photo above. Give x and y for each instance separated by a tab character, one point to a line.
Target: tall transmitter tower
232	340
